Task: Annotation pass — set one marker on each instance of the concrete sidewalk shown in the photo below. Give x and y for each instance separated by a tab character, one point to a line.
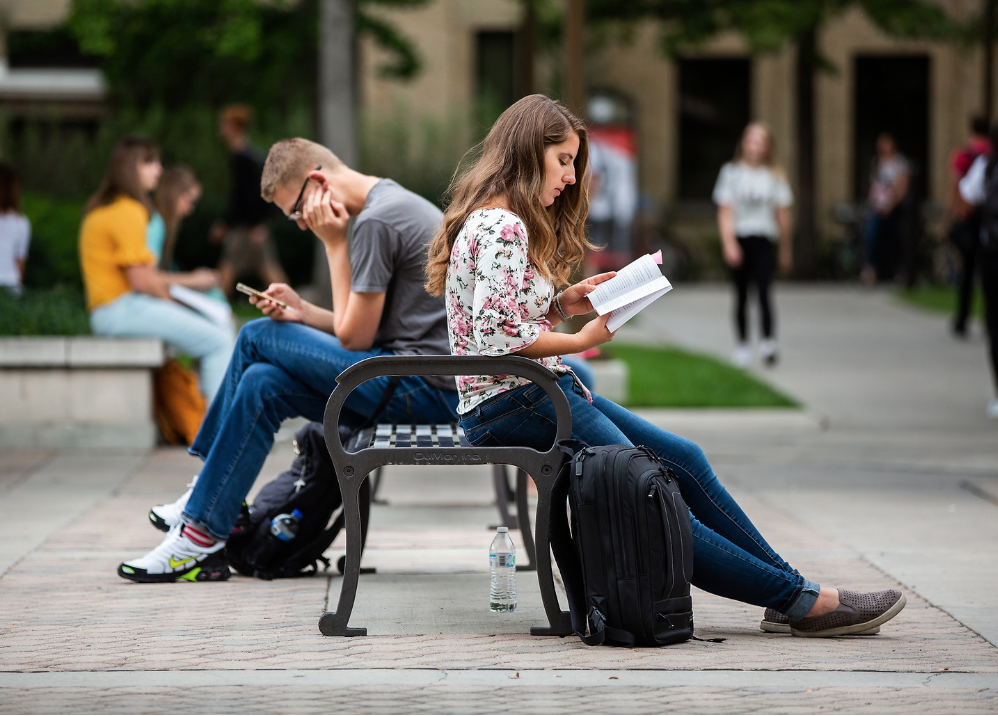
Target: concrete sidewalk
888	477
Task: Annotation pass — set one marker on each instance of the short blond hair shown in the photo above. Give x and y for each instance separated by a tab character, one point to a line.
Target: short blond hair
290	160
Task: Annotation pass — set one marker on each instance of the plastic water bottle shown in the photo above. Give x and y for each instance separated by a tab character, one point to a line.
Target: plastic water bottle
502	564
285	527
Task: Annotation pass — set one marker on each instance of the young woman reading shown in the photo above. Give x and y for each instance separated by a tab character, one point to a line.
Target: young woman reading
512	233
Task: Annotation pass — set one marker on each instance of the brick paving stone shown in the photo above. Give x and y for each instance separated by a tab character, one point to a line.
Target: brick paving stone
63	610
507	698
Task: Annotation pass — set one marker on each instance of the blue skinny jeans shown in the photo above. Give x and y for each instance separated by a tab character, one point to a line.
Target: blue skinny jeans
730	557
277	371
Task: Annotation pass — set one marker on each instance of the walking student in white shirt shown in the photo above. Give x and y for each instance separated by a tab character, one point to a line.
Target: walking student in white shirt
15	232
753	214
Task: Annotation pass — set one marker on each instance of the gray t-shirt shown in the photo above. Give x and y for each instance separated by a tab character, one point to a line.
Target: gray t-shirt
388	254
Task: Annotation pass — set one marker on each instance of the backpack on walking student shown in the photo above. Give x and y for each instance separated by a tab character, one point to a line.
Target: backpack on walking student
627	557
309	486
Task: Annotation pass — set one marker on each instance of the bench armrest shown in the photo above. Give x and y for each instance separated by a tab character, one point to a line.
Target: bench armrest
379	366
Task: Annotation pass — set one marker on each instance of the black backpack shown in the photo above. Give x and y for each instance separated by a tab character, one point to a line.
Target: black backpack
628	557
309	486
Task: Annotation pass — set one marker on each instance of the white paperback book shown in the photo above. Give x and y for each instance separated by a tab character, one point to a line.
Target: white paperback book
215	311
634	287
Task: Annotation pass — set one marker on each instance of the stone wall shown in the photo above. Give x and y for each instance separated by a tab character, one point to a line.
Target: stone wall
79	392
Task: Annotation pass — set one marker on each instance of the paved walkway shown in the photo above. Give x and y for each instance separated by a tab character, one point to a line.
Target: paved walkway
888	477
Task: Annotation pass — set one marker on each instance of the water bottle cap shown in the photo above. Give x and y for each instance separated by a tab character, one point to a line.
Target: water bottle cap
296	514
503	529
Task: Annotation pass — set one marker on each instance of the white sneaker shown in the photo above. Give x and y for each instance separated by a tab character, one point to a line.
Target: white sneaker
742	355
769	352
993	408
177	557
164	517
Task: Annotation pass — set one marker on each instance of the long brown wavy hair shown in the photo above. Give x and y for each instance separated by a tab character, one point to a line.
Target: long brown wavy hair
122	176
510	163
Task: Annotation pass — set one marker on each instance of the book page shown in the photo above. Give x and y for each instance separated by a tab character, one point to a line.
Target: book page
215	311
632	282
620	316
633	288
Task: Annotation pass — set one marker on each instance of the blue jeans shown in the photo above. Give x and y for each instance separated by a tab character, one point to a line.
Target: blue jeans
730	557
282	370
138	315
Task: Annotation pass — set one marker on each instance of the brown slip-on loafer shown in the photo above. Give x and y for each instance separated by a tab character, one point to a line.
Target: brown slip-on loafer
857	612
779	623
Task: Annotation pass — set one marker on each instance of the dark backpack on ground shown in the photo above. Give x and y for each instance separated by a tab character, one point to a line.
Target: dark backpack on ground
309	486
627	558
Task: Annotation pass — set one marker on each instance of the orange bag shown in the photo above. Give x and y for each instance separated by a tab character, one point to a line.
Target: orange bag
177	403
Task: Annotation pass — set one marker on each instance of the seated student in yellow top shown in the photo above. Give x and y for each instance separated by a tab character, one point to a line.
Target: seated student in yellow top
126	294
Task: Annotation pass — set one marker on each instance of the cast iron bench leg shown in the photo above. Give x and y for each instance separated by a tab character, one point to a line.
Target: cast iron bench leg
523	517
335	623
559	622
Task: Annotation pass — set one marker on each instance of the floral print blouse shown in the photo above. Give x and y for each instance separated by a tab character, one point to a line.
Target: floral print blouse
496	301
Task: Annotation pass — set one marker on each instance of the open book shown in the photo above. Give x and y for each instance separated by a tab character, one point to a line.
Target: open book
634	287
215	311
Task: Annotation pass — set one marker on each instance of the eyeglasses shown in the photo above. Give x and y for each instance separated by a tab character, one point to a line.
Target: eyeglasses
295	213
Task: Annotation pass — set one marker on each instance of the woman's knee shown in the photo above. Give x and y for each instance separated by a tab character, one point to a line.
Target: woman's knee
687	455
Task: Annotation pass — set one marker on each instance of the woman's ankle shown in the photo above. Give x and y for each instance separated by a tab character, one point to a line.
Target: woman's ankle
827	601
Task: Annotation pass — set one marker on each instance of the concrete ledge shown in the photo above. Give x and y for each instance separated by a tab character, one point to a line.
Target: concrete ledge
67	436
611	379
75	392
80	351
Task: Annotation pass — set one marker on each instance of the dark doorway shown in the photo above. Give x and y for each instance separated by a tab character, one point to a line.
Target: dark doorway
495	74
892	95
715	104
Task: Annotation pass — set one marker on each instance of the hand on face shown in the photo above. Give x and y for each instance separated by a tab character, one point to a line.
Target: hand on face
324	215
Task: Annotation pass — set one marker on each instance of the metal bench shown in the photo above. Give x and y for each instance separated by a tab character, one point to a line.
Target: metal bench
435	446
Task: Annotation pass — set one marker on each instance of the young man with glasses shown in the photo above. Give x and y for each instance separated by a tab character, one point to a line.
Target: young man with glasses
286	365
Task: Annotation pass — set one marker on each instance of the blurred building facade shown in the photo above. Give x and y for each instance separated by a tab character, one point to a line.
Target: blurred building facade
686	114
47	85
679	117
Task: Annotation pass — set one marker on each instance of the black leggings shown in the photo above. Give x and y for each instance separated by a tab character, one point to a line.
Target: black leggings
758	262
988	261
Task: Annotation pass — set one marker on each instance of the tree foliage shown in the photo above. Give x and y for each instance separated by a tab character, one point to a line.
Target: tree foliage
768	24
182	52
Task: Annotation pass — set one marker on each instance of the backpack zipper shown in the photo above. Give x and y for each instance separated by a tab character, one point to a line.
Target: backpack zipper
670	583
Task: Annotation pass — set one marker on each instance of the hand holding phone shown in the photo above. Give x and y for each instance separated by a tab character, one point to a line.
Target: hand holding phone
270	310
249	291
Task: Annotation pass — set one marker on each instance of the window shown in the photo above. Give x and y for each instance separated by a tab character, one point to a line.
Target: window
714	107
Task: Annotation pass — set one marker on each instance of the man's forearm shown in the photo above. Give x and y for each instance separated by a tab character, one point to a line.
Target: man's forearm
340	272
317	317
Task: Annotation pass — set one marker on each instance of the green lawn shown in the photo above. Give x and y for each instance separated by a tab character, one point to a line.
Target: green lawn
661	377
941	299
